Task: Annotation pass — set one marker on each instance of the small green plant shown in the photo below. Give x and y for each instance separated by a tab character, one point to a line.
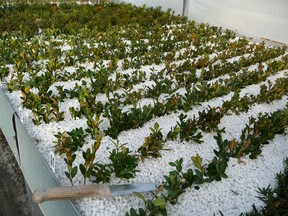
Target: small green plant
173	103
28	98
176	182
115	116
38	113
126	64
238	104
259	132
99	78
71	171
188	129
58	115
93	123
173	133
209	119
124	164
68	143
153	143
226	148
4	71
65	145
154	206
89	157
216	169
101	173
273	92
162	86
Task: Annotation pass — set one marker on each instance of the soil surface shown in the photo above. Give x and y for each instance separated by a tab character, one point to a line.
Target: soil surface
13	197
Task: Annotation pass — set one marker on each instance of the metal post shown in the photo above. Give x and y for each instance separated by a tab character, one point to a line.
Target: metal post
185	7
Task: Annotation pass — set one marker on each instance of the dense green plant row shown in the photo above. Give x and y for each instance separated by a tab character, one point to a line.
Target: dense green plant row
110	43
70	18
51	75
256	134
43	104
154	143
25	60
188	129
136	117
96	121
24	54
178	76
159	109
10	2
114	42
209	118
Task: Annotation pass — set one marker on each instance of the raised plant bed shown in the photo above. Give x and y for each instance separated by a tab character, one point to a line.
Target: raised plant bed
153	98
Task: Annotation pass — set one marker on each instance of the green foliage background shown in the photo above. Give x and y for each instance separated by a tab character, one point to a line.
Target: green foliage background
68	18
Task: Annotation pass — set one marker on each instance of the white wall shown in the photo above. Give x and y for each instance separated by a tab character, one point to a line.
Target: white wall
258	18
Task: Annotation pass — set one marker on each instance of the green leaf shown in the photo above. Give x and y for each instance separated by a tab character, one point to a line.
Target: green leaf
172	164
223	175
88	152
160	202
177	129
197	161
156	126
82	169
172	178
179	167
89	172
73	158
74	171
67	175
139	195
133	212
222	166
142	212
198	173
123	149
98	142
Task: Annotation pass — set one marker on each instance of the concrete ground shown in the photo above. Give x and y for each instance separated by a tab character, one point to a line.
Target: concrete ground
13	197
